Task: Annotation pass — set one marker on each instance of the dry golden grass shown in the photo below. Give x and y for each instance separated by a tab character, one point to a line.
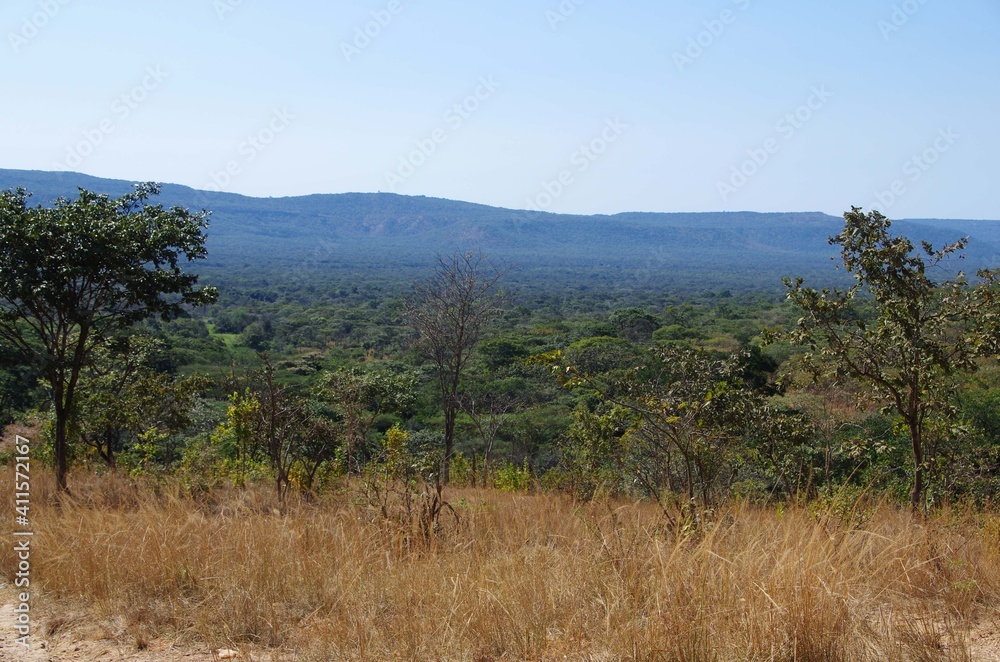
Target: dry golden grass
522	577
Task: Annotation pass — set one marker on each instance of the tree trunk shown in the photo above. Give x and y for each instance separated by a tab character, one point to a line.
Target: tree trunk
109	447
690	478
350	452
916	437
449	440
61	448
486	465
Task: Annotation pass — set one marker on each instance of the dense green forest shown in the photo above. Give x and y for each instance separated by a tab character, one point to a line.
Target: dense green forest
688	396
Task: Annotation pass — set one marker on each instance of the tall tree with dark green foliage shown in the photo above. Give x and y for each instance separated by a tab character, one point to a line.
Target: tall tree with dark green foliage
896	329
74	273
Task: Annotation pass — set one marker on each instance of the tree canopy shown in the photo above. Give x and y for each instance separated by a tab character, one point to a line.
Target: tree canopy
896	329
73	273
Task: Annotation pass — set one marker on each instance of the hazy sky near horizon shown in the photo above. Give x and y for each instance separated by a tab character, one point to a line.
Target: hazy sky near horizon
578	106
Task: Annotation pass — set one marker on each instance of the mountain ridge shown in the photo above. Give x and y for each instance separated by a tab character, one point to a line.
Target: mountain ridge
388	231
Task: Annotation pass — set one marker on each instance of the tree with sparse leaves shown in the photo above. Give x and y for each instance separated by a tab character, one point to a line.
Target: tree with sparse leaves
896	329
361	396
270	421
452	312
75	273
675	422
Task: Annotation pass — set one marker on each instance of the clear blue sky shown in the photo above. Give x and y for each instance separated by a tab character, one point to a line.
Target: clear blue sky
904	100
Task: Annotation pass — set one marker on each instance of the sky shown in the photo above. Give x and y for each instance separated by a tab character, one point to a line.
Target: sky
575	106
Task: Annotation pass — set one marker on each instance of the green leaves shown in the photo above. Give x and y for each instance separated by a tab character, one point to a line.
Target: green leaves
74	273
97	261
903	334
360	396
681	420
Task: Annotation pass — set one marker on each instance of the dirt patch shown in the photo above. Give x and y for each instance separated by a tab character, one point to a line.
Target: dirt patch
58	638
984	642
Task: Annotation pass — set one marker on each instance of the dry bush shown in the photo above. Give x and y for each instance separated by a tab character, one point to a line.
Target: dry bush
524	577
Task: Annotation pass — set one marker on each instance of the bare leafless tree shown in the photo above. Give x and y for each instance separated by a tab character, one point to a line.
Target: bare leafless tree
452	311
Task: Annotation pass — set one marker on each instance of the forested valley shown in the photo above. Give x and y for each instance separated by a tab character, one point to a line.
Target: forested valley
418	405
179	396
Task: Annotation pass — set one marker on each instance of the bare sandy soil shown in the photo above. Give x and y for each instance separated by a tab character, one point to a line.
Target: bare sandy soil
984	641
71	639
67	639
